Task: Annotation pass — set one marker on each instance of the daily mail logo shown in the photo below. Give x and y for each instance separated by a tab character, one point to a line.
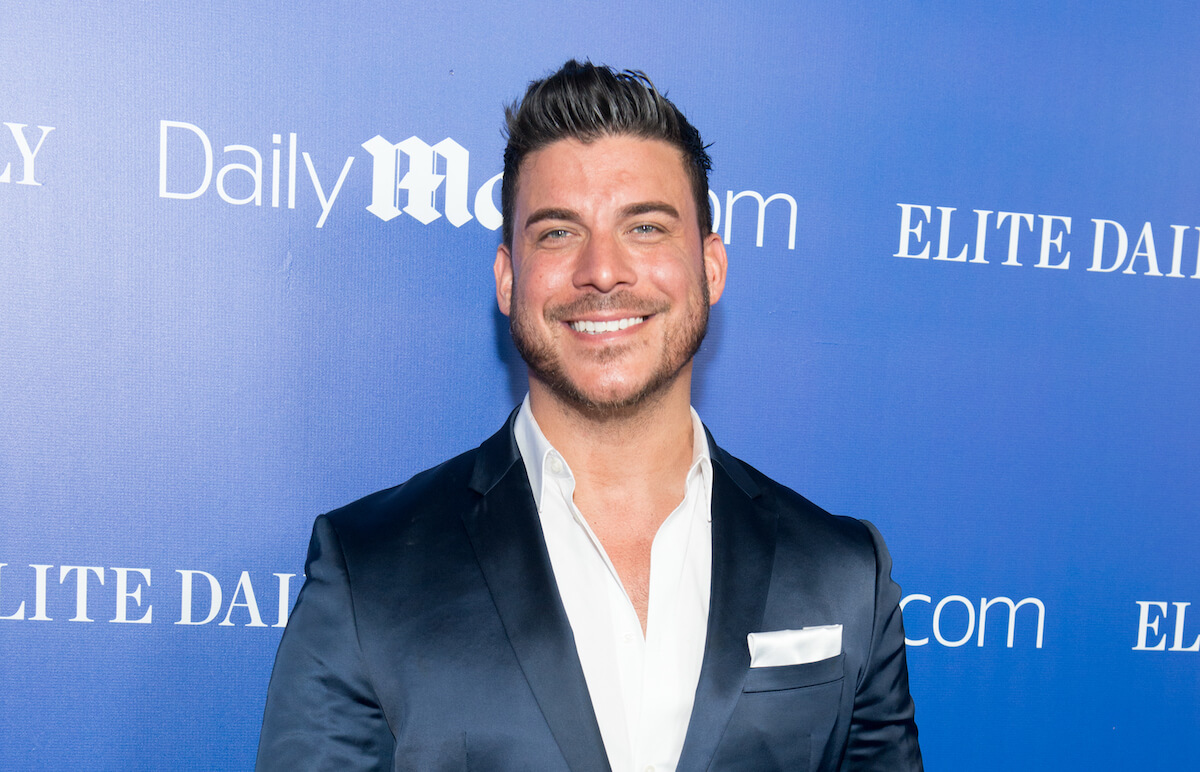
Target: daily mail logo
187	184
407	177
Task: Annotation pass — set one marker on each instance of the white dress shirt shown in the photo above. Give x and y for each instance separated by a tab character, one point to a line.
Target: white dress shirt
642	687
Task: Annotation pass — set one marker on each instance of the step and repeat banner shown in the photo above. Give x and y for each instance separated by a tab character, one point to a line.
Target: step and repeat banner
245	278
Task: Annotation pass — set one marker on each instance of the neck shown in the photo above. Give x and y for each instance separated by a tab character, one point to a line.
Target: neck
639	446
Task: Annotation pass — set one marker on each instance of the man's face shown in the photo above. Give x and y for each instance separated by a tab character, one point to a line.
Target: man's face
608	281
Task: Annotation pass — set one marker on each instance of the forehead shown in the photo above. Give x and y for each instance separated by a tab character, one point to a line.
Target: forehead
610	170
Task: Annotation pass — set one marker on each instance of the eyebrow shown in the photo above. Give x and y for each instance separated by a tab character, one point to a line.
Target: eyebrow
650	207
551	213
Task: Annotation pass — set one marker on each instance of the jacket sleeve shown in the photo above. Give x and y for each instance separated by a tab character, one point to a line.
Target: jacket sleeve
883	729
321	712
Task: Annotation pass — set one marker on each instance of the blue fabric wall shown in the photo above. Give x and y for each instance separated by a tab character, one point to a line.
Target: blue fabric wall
979	331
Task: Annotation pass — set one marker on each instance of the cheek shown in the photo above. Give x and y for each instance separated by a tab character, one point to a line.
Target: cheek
539	284
681	279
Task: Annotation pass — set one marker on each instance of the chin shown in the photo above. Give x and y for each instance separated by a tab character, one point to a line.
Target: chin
610	382
612	398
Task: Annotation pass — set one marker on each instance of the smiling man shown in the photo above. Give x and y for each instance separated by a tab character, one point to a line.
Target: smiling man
599	585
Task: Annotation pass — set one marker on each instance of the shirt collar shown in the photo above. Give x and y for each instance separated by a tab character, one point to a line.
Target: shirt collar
538	453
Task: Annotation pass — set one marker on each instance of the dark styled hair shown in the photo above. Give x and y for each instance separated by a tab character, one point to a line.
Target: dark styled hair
587	102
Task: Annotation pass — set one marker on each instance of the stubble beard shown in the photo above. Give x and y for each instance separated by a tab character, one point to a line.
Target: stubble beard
546	365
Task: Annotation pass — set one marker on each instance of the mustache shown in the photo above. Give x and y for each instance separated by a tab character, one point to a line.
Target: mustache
621	300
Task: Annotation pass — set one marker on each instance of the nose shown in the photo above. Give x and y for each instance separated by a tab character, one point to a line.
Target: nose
604	264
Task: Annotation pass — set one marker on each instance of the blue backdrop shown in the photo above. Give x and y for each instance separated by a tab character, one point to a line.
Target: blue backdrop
245	278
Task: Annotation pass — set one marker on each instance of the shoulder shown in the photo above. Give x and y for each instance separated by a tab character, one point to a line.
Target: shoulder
427	503
792	508
425	512
805	531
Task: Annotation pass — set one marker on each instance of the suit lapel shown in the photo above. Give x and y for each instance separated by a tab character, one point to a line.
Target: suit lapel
743	549
508	542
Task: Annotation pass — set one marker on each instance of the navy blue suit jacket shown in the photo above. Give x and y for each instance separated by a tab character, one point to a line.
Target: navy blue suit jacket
429	635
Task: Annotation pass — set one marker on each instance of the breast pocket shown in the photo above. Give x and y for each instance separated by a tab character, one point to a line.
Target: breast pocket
783	677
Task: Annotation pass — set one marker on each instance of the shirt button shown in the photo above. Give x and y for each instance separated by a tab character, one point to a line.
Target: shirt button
649	768
556	465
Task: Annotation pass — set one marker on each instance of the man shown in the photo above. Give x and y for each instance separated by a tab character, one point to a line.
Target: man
598	586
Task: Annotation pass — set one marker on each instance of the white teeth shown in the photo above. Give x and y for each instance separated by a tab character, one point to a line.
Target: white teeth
595	328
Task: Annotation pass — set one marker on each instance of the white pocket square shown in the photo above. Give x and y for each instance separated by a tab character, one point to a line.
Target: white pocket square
795	647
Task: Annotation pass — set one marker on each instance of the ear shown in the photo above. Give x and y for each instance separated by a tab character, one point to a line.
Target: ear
503	268
716	263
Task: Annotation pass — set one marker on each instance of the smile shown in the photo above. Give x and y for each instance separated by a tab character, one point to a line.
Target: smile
595	328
